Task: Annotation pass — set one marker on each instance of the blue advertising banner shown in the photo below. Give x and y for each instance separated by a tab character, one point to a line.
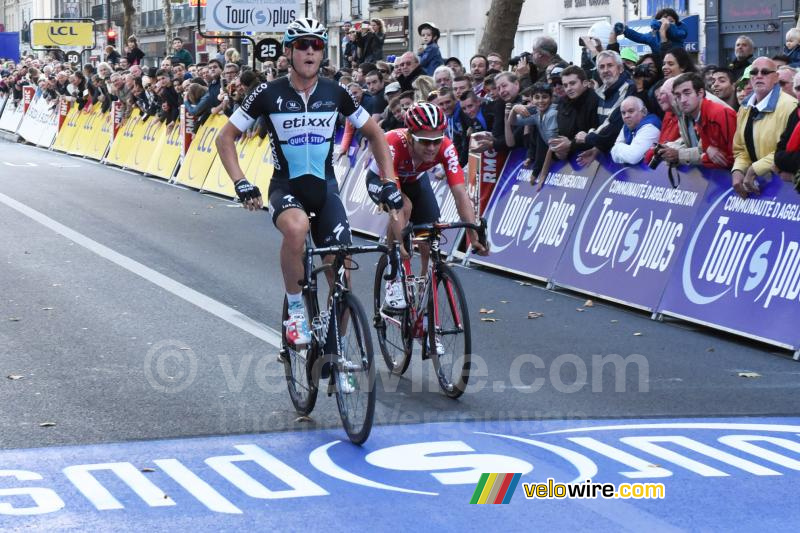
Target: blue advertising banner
529	228
630	233
740	270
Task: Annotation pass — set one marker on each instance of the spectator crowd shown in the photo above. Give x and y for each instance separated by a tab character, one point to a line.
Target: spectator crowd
657	108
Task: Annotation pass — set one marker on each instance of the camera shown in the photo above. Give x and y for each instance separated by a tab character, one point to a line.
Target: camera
644	70
514	60
657	159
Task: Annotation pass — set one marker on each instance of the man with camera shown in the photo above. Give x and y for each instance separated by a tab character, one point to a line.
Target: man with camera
707	128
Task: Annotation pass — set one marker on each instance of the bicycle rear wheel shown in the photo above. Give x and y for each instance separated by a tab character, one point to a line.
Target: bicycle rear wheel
393	327
449	338
354	375
298	365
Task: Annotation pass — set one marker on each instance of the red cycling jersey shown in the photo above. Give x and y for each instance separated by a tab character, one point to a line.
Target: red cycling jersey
404	168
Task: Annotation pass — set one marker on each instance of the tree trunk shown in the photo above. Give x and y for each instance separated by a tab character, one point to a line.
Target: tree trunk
167	25
502	20
128	18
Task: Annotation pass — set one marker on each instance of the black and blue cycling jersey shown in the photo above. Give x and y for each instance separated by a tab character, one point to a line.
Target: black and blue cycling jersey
301	132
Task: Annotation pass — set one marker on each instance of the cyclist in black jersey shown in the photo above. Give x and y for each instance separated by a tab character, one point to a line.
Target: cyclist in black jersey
301	111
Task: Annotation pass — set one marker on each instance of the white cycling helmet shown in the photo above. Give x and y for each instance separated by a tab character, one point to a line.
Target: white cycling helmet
300	28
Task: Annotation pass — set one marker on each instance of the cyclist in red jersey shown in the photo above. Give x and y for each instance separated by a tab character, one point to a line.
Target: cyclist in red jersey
420	146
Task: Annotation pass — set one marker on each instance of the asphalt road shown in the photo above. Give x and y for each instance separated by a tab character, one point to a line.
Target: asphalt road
110	350
143	314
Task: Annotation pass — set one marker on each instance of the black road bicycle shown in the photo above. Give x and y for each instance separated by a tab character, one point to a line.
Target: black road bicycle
341	346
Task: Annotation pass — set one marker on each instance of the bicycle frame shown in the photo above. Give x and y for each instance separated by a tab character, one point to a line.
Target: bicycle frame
325	326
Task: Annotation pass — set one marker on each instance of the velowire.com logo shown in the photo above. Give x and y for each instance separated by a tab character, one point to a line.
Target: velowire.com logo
495	488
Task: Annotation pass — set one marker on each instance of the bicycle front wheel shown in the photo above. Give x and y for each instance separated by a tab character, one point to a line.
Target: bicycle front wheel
393	326
298	366
449	338
354	374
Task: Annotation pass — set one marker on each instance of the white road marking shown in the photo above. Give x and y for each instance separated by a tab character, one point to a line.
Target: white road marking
216	308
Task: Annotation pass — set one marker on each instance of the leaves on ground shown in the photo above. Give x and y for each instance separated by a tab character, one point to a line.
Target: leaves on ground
485	311
47	308
14	377
614	321
588	303
146	469
534	314
580	309
488	320
637	334
303	419
525	283
47	424
710	349
14	319
503	301
749	375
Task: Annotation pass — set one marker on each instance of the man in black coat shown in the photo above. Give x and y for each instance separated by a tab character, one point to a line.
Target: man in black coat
407	69
576	112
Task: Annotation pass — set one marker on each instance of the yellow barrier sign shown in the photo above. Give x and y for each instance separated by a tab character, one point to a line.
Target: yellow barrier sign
101	136
124	143
147	137
167	155
66	135
260	169
201	153
218	180
83	138
62	34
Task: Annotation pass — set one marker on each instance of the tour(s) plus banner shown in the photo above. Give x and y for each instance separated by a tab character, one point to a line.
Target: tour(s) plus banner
630	233
528	227
250	15
740	269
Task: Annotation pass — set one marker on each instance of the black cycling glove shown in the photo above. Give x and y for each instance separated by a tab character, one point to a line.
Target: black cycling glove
390	196
246	190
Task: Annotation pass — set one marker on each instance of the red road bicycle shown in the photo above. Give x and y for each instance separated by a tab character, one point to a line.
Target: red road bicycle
436	312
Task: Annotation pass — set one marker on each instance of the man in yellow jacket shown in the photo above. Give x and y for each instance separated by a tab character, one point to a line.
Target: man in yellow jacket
759	124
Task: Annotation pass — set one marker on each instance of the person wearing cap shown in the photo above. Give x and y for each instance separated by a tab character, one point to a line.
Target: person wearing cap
429	55
455	65
554	79
629	58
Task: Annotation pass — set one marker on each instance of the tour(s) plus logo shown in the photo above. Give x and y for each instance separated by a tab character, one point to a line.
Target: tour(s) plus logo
525	217
236	475
631	225
755	257
261	15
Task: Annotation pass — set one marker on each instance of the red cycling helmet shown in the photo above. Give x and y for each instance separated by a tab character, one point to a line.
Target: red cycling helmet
425	116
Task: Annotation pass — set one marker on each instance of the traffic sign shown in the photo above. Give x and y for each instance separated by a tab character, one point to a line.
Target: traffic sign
268	50
73	57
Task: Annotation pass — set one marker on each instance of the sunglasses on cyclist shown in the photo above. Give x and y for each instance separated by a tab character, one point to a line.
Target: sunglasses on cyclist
427	141
305	44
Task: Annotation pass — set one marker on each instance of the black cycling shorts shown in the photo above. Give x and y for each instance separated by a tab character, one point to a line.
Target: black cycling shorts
424	208
330	225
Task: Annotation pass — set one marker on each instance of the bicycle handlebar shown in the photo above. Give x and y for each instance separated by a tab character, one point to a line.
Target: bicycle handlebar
345	250
438	227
